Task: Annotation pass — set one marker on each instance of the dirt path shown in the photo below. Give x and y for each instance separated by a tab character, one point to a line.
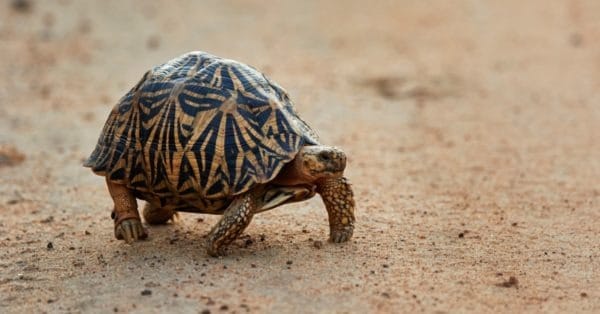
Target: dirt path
472	131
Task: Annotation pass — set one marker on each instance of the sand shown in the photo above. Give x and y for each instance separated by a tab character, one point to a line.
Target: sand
472	130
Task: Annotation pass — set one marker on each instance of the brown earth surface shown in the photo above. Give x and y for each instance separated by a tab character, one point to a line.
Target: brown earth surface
472	129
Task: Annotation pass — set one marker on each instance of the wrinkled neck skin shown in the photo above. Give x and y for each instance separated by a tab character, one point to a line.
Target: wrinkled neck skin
293	174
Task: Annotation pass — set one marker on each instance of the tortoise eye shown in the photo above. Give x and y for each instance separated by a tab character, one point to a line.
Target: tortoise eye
323	156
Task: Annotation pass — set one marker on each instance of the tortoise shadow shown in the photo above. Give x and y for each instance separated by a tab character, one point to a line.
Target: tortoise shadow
189	244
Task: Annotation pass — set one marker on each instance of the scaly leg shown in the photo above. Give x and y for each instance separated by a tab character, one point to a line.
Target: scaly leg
339	201
235	219
155	215
128	225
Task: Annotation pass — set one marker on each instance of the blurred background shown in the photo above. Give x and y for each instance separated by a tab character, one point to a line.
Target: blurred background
471	129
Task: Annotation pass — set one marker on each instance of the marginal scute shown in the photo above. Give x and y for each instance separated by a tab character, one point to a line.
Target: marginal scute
200	126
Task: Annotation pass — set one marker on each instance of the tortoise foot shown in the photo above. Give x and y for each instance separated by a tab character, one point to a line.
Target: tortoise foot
130	230
128	225
216	251
341	235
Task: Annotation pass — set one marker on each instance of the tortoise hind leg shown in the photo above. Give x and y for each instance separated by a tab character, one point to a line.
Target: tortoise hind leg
235	219
128	225
155	215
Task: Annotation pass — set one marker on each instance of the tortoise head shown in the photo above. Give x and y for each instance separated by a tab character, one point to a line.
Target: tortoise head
321	162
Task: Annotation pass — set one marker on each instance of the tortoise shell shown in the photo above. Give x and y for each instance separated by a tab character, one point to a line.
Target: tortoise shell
200	126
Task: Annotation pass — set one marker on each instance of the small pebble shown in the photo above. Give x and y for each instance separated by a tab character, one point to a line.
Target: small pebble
50	246
10	155
511	282
47	220
289	262
146	292
318	244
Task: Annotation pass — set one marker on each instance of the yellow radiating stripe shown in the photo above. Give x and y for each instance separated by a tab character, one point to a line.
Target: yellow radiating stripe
218	158
237	84
247	130
203	156
241	153
209	95
216	80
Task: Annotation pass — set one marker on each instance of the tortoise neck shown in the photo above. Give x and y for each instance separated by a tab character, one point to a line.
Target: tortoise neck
293	173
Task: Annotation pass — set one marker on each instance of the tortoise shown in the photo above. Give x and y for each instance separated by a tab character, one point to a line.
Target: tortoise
210	135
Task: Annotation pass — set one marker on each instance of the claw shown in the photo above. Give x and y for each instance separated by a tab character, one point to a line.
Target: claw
128	232
118	233
142	234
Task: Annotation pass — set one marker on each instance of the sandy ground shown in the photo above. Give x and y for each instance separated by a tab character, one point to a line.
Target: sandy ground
472	129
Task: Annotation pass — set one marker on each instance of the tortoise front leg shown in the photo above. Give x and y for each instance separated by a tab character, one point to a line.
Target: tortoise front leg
235	219
339	201
128	225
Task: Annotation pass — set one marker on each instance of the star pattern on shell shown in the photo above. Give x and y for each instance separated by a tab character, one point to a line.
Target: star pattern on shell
200	125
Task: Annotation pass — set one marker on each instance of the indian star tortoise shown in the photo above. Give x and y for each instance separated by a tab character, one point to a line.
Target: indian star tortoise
209	135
